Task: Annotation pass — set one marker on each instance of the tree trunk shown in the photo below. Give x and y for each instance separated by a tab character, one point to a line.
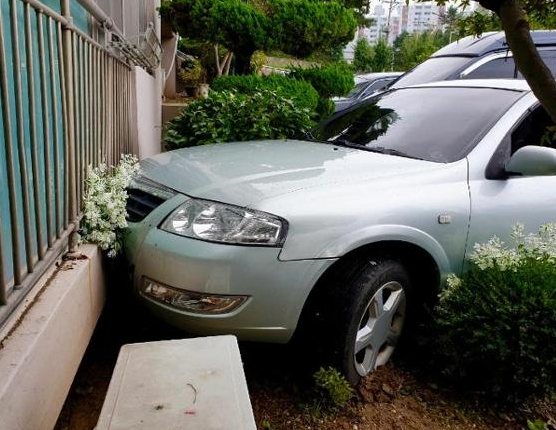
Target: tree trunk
228	62
526	56
217	61
222	66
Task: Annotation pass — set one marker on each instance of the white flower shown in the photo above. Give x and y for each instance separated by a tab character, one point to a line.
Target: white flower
104	203
495	253
453	283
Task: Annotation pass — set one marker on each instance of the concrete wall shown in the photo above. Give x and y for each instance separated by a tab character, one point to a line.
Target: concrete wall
169	46
42	345
148	111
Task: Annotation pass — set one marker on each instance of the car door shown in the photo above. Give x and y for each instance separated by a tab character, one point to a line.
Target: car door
499	200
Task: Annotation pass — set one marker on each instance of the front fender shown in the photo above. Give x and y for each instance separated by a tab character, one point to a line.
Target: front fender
388	232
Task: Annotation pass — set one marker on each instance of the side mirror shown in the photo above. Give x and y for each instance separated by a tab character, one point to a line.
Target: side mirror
533	161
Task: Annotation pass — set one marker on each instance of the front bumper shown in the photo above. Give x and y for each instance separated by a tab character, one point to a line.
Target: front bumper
276	289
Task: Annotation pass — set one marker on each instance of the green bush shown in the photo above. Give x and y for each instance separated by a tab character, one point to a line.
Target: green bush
231	116
302	27
333	388
301	92
329	81
325	107
497	325
192	72
363	56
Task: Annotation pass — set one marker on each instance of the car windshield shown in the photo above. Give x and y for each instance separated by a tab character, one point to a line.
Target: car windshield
440	124
433	69
358	89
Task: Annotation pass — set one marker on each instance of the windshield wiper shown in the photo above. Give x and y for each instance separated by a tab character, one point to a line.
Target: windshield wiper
378	149
345	142
338	142
390	151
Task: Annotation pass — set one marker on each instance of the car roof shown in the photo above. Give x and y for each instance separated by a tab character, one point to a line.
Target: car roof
473	46
501	84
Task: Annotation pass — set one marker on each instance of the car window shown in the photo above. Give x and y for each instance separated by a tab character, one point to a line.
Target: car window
503	68
435	124
549	58
358	89
375	86
433	69
533	130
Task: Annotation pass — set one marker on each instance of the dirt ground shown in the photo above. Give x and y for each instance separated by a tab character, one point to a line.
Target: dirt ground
393	398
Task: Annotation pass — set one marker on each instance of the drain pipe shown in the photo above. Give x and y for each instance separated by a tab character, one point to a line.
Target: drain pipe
96	11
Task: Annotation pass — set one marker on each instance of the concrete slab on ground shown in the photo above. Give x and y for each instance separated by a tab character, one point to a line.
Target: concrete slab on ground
194	384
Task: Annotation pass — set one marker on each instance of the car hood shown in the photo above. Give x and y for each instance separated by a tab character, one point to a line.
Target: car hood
244	173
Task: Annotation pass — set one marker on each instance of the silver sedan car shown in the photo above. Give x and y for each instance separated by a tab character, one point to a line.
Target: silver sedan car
338	238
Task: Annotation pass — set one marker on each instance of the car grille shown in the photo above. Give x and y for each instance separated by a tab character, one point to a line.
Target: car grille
140	204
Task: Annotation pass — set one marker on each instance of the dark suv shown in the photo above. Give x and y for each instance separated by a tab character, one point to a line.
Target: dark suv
484	57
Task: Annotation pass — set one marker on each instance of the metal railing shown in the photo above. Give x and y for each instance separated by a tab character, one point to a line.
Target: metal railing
65	104
143	50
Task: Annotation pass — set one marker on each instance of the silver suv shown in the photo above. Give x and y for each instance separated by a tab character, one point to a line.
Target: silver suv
484	57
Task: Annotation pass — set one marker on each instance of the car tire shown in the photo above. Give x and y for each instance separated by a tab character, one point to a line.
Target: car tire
368	316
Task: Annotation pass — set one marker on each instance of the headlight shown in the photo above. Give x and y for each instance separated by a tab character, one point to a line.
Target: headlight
218	222
191	301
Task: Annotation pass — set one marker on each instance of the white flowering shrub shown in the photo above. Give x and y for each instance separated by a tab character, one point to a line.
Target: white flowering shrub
497	323
104	204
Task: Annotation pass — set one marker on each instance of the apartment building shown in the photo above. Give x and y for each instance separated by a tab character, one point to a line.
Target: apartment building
418	17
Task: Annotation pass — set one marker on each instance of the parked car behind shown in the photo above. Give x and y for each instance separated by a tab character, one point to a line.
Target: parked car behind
365	86
484	57
340	236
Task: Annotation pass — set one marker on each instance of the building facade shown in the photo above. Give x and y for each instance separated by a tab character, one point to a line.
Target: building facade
418	17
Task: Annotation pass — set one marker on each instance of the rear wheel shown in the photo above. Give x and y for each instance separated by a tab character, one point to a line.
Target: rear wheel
369	316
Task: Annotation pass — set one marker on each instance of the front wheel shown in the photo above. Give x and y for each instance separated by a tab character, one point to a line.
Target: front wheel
370	317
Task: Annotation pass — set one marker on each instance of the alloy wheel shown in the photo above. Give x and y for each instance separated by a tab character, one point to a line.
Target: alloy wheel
380	328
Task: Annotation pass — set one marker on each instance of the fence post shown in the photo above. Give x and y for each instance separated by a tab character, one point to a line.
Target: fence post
67	47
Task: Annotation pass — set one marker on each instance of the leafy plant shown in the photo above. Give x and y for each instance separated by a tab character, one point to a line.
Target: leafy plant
412	49
301	27
258	61
301	92
334	389
192	73
266	425
382	60
329	81
363	56
104	204
497	324
537	425
231	116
